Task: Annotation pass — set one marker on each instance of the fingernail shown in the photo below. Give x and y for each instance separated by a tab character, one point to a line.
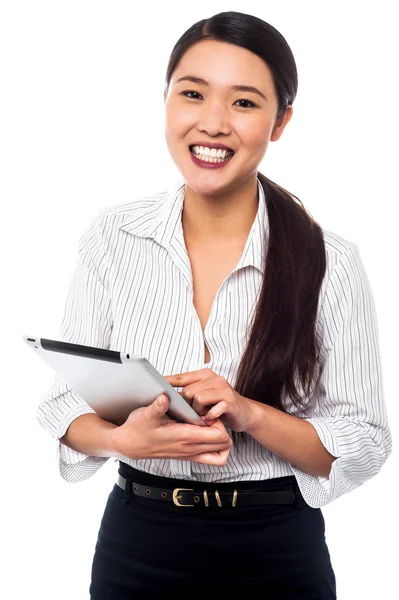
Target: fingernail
161	401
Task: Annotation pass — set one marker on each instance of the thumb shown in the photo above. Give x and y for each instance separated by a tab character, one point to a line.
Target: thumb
160	405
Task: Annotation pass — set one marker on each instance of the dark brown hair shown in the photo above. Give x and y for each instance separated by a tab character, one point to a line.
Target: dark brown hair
281	348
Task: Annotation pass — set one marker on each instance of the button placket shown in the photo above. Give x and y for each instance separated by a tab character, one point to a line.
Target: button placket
220	300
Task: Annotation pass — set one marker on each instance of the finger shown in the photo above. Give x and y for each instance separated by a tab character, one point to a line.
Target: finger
218	459
204	399
216	411
197	388
200	448
208	421
192	434
188	378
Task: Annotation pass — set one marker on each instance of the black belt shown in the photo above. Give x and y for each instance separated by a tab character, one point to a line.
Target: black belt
204	498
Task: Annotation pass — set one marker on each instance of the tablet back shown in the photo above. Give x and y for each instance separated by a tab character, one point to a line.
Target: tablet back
112	383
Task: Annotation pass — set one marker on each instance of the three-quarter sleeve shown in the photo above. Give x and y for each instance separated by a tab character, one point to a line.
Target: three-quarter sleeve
350	415
87	320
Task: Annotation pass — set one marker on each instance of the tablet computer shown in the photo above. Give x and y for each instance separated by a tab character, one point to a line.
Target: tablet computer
112	383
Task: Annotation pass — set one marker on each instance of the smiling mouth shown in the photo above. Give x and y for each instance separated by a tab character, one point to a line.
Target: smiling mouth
228	155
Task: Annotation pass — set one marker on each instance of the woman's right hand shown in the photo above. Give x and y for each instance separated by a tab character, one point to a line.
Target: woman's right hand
149	433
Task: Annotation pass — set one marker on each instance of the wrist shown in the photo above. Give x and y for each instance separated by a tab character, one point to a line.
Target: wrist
110	441
124	442
255	414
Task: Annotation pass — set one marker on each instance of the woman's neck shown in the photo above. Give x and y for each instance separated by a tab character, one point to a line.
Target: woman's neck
222	218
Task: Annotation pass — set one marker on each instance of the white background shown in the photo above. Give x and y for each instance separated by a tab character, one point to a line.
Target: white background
81	129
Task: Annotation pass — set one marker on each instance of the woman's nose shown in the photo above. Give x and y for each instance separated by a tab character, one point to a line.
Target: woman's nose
214	120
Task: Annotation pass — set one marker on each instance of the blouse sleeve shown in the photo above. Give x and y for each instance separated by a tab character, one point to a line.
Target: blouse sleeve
87	320
350	415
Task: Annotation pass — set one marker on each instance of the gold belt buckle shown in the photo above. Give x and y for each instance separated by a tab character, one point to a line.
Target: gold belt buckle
176	496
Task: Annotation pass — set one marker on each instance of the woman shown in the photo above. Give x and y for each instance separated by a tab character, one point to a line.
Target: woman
262	320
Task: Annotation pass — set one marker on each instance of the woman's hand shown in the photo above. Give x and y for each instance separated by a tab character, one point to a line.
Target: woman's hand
211	396
149	433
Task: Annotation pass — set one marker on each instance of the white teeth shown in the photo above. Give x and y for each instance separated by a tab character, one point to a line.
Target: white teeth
212	154
211	151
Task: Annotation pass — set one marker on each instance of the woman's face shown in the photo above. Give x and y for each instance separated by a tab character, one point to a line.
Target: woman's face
215	112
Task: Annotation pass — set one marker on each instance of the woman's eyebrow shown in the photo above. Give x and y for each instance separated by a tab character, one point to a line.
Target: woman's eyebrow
238	88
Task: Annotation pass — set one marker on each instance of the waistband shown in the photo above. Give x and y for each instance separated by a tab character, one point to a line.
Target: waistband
161	491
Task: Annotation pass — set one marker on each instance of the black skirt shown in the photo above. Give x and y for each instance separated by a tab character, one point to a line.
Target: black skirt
146	548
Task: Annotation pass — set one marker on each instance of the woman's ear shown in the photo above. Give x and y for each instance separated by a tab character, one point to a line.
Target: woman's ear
281	123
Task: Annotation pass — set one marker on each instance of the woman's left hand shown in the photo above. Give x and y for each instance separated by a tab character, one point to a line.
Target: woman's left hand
211	396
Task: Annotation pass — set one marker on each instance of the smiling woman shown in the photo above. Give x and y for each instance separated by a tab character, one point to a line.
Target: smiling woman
265	323
234	100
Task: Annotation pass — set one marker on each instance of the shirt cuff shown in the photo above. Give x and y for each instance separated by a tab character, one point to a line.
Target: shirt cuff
73	465
319	491
83	467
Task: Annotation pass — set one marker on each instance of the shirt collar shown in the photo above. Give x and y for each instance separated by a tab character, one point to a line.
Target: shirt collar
159	218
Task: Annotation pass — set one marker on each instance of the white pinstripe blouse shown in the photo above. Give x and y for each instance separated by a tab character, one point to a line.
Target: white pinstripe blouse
132	292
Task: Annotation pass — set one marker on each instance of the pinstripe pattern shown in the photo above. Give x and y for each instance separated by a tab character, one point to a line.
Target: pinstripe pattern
132	292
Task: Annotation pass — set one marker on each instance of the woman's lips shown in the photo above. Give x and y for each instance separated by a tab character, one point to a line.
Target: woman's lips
208	165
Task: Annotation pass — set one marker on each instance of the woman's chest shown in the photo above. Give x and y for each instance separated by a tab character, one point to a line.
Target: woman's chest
162	315
210	270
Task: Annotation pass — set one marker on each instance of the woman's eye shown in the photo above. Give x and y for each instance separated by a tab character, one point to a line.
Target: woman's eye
252	104
249	101
188	92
